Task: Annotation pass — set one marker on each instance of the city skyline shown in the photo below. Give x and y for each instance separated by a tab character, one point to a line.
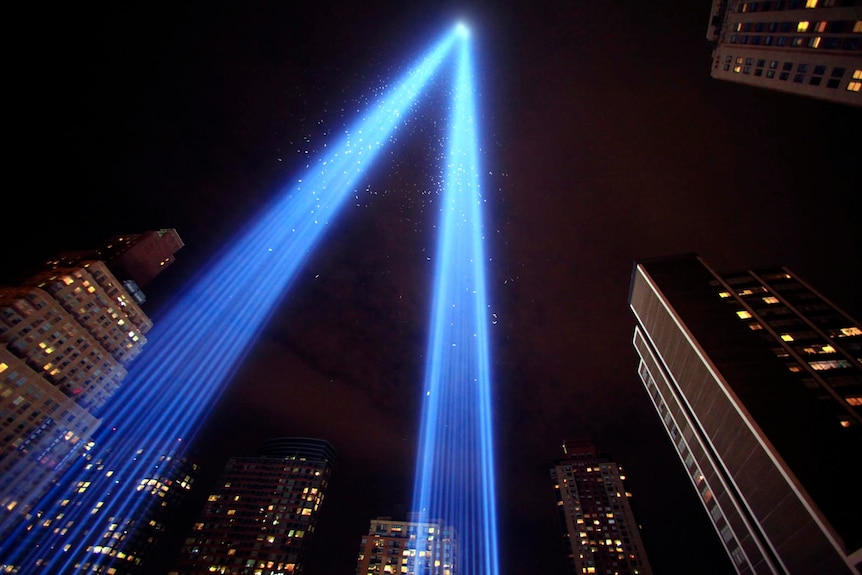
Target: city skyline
598	156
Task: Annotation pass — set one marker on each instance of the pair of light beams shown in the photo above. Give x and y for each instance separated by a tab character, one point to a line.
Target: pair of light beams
198	343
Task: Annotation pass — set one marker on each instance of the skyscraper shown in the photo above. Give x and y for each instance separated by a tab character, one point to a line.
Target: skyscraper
806	47
757	379
412	547
262	511
600	533
67	335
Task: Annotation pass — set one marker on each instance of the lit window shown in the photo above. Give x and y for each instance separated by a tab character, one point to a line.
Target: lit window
845	423
743	314
724	294
786	337
811	3
770	299
849	331
857	27
854	86
854	400
802	26
738	69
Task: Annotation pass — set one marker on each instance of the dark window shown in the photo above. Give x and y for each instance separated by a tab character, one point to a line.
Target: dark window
851	44
815	81
770	73
768	40
787	66
729	59
761	63
758	71
749	61
838	72
746	70
783	76
833	83
802	68
798	78
727	67
773	64
819	70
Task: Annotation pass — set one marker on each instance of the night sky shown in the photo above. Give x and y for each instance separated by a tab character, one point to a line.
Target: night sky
604	141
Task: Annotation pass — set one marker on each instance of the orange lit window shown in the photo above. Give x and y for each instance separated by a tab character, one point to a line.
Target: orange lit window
854	86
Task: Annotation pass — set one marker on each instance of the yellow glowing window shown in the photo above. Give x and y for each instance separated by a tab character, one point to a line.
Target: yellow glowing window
845	423
815	43
857	27
743	314
811	3
770	299
786	337
724	295
737	69
846	331
802	26
231	511
854	400
854	86
3	367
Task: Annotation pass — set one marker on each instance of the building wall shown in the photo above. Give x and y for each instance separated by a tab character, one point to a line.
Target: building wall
600	534
398	547
805	47
738	417
258	518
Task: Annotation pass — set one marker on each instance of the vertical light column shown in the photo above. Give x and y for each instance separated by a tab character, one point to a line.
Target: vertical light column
454	481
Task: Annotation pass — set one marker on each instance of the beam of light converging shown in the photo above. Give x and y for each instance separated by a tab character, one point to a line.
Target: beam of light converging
455	462
197	345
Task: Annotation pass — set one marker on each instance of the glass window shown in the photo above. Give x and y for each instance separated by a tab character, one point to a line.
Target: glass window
815	80
758	71
838	72
773	64
797	79
832	83
857	74
761	63
770	73
819	70
787	66
854	86
783	76
802	68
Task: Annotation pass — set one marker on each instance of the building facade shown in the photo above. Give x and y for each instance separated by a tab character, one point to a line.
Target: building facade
600	533
757	379
806	47
67	336
262	512
411	547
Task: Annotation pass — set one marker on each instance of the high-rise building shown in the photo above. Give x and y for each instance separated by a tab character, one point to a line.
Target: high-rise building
67	336
806	47
68	331
130	542
757	379
600	533
262	511
412	547
135	259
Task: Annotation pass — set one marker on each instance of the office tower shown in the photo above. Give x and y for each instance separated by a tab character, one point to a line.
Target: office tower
600	534
412	547
262	511
130	542
757	380
806	47
67	335
135	259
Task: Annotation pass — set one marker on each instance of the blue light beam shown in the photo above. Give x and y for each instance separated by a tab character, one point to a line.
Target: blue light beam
454	480
196	346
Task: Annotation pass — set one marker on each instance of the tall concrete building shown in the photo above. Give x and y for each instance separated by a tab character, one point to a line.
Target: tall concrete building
68	331
806	47
600	533
67	336
262	511
412	547
757	379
